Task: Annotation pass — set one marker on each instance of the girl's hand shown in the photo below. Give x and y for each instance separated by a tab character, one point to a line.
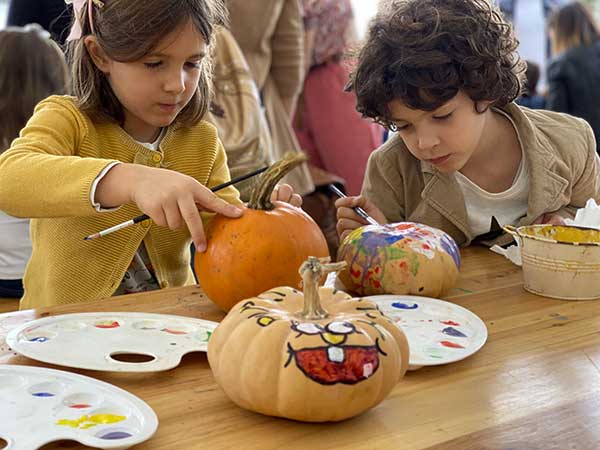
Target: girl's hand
550	219
170	198
285	193
348	220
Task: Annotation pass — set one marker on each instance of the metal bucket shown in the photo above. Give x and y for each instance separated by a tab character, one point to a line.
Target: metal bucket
560	261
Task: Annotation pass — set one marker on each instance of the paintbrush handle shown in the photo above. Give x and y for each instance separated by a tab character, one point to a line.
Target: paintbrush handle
143	217
361	212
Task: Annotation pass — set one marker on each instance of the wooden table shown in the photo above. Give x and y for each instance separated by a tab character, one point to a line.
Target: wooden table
534	385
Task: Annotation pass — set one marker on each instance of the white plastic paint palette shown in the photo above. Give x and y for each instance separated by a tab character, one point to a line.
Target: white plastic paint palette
438	332
124	342
40	405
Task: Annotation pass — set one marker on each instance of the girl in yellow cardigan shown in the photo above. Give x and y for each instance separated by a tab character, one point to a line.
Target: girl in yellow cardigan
130	141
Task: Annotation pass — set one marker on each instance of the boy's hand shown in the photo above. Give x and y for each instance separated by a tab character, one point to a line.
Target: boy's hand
285	193
348	220
170	198
550	219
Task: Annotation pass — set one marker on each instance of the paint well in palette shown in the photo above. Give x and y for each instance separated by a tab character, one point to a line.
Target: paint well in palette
55	405
438	332
167	338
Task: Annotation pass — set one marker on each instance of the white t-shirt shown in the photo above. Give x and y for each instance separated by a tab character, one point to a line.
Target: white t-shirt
507	207
15	247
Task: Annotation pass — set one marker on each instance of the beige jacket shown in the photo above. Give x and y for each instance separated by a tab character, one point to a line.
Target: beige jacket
271	36
564	171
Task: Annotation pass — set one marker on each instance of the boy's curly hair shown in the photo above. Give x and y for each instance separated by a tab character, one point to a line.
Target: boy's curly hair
423	52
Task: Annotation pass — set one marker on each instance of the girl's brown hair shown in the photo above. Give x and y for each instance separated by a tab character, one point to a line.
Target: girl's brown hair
33	68
423	52
128	30
572	26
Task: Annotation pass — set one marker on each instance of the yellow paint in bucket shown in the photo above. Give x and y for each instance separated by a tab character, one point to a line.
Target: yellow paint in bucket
560	261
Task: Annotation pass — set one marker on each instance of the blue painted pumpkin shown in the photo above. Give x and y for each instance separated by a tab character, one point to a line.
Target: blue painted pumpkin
399	258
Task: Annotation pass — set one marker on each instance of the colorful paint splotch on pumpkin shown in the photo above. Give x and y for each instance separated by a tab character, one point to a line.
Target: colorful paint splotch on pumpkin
380	258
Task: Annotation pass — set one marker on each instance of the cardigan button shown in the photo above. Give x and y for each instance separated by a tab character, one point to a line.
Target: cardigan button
145	224
156	158
164	284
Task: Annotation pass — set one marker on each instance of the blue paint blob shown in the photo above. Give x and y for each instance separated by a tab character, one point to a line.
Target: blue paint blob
113	435
453	332
451	248
373	240
404	305
43	394
39	339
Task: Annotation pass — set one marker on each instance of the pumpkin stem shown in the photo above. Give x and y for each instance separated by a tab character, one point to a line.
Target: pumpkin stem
312	271
261	196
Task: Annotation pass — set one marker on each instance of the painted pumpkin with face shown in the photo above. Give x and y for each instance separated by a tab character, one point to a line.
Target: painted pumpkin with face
315	356
399	258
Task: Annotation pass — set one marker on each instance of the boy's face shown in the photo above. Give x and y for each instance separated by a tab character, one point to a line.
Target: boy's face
446	137
154	90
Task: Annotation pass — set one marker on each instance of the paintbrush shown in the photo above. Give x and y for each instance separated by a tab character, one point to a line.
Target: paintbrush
361	212
143	217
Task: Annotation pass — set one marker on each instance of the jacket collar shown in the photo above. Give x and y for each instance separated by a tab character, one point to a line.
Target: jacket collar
443	193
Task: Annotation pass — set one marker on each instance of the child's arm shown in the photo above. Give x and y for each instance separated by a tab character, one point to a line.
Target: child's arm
42	176
380	195
348	219
170	198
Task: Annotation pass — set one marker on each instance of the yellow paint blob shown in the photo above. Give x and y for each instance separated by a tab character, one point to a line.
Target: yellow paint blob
570	235
334	339
85	422
264	321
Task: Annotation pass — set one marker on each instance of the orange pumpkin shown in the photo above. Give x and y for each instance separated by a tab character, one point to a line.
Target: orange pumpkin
260	250
318	356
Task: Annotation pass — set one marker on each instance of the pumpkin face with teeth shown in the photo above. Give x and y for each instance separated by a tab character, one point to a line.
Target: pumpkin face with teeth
285	354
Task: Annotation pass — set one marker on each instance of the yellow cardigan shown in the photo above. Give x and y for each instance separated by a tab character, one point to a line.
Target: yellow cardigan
47	175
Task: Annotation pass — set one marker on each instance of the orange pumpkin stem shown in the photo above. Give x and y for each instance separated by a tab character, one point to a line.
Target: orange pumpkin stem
312	271
261	196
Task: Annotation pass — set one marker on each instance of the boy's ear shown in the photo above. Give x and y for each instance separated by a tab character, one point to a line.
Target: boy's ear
482	106
100	58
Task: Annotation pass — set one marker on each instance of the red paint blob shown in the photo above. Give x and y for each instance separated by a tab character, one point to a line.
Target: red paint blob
167	330
450	322
114	324
450	344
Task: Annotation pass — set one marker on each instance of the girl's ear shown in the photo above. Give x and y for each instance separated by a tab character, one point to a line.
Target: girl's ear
100	58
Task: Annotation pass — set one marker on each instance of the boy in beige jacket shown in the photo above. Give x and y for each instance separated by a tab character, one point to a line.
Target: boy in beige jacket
443	75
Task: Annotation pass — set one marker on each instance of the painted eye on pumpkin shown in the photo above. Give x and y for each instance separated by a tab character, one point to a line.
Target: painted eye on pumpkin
265	321
308	328
340	328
